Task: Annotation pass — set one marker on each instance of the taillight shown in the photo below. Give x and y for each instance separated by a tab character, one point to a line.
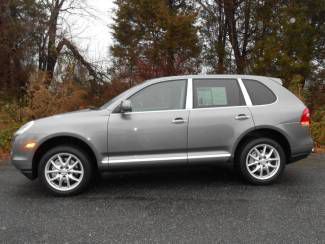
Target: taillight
305	118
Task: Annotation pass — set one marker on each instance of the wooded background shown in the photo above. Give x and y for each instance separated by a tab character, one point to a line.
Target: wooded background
43	71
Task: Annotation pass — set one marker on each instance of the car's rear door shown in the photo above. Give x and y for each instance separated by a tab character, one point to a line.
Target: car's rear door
155	132
219	116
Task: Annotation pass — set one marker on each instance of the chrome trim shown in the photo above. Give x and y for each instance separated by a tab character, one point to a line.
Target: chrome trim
175	110
242	117
224	107
179	121
189	94
138	160
191	77
223	155
105	160
245	93
189	100
156	111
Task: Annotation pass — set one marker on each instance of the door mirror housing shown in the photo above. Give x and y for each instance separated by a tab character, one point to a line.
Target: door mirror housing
126	106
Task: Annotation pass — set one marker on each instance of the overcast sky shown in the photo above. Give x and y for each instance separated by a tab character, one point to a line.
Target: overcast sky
91	34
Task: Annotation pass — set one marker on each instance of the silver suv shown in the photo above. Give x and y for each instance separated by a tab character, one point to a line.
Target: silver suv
252	122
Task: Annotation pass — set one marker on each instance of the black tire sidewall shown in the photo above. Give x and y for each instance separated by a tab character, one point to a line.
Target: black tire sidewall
242	160
85	161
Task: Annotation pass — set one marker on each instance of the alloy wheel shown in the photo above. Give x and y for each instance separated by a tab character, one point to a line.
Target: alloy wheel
263	161
64	171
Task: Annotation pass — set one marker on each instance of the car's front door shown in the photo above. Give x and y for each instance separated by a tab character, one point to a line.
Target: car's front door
155	132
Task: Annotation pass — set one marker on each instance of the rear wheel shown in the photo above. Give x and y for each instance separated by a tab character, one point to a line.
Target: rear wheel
261	161
65	170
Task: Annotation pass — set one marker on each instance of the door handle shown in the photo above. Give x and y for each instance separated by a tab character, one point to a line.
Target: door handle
242	117
178	121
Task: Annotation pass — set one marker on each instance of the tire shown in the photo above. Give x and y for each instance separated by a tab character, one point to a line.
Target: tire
65	170
250	163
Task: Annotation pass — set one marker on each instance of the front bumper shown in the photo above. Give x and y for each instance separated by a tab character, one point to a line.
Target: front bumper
298	157
24	165
22	158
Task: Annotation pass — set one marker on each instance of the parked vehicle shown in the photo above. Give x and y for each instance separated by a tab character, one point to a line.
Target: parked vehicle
252	122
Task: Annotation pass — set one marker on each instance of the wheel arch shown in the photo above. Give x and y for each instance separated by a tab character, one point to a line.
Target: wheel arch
264	131
62	139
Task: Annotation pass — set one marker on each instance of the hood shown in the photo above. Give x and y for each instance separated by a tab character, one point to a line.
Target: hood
74	115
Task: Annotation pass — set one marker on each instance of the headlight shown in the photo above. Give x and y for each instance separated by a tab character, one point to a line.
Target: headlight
24	128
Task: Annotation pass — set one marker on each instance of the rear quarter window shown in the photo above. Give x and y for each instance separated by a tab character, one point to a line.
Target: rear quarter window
259	93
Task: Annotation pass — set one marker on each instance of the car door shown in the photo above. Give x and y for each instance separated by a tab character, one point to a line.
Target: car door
218	117
155	132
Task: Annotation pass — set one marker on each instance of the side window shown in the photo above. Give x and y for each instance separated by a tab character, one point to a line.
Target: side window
168	95
216	93
258	92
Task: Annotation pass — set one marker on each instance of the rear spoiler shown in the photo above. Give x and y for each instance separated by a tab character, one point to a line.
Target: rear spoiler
277	80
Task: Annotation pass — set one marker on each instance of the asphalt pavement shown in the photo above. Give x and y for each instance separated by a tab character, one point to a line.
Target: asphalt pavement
198	205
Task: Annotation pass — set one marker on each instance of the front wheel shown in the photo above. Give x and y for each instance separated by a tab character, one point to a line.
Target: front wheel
65	170
261	161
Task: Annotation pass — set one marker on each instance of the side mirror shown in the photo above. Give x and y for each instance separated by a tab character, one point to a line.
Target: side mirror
126	106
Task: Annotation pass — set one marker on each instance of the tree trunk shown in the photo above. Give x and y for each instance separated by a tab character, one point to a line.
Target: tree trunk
52	34
230	11
222	35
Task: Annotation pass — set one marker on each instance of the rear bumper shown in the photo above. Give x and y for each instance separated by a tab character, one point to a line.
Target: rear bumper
300	141
303	151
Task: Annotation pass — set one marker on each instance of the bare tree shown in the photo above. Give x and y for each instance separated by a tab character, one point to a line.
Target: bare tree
52	40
